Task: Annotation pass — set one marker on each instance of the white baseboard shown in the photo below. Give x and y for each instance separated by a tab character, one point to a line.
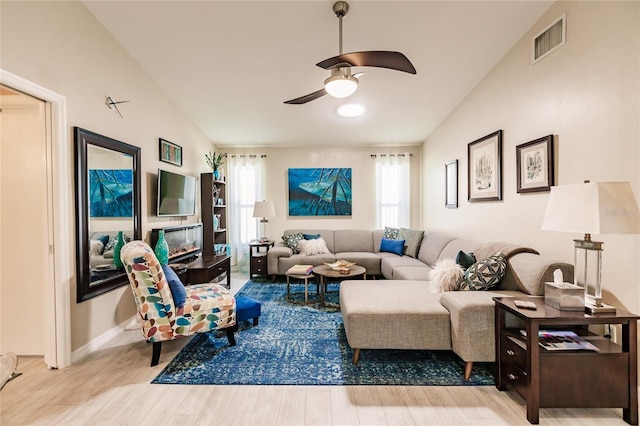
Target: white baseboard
102	340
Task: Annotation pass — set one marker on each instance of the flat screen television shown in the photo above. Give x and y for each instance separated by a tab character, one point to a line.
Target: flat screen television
176	194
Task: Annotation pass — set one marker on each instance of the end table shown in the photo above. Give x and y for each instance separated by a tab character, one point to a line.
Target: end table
607	378
258	257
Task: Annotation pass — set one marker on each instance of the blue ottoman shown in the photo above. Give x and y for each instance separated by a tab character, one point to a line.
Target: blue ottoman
247	308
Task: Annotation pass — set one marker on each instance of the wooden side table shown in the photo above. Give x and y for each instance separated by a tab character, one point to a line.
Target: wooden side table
607	378
258	257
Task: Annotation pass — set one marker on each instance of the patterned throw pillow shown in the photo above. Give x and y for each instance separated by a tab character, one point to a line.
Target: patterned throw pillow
292	240
391	233
413	238
485	274
465	259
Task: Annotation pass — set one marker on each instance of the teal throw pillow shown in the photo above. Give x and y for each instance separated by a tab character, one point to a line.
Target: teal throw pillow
178	291
311	236
465	259
392	246
391	233
292	240
413	238
486	274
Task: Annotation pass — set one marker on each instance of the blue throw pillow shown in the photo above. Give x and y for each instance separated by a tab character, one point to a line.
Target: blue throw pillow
465	260
177	288
104	239
392	246
311	236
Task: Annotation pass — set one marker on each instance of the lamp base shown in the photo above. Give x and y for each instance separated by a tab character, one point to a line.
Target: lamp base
603	308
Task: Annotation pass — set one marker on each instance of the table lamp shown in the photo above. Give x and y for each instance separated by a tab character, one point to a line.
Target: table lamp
264	209
592	208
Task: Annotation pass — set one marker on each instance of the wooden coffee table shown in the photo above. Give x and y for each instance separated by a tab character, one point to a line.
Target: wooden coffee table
324	272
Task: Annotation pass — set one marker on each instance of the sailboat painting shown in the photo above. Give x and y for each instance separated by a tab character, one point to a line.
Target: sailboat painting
320	192
111	193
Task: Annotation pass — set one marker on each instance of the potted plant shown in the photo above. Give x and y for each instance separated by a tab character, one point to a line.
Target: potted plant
215	161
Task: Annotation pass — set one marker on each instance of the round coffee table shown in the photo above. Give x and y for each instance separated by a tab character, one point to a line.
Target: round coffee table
305	278
325	272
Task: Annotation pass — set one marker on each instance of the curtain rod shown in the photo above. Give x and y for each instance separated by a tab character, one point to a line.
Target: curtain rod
390	155
248	155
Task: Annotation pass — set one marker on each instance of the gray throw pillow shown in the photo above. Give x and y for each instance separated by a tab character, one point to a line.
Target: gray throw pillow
412	239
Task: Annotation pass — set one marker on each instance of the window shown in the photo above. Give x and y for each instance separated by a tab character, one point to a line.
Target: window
392	190
245	188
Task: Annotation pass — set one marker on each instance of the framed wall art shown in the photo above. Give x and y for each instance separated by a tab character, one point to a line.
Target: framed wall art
451	184
320	192
485	168
170	152
535	165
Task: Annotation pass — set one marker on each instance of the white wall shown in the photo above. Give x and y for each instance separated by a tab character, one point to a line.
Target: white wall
587	95
279	160
60	46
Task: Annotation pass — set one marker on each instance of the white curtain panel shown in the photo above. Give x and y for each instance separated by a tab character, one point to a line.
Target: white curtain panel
244	187
392	190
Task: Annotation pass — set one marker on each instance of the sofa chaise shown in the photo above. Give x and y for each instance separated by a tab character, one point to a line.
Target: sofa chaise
406	310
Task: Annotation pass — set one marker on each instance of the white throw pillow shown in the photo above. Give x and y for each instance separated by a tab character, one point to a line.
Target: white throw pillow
447	275
95	247
311	247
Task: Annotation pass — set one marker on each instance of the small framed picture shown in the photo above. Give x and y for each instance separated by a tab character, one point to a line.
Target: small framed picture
170	152
535	165
485	168
451	186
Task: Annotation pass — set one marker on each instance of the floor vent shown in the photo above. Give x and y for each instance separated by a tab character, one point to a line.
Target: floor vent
549	39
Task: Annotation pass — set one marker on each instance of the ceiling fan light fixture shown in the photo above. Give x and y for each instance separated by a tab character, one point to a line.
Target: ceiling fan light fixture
341	83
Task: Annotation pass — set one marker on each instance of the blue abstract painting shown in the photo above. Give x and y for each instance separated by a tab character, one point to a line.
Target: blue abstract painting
320	192
111	193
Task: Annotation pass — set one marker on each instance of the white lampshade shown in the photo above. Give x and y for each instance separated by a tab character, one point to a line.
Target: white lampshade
593	208
341	83
264	209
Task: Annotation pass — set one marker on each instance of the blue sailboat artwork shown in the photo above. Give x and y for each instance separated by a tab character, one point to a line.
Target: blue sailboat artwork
320	192
111	193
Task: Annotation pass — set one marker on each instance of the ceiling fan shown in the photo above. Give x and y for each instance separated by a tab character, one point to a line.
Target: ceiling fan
342	83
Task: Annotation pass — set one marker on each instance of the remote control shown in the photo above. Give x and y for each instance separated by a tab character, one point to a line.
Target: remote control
525	305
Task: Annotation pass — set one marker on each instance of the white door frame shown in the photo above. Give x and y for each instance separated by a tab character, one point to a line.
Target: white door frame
57	333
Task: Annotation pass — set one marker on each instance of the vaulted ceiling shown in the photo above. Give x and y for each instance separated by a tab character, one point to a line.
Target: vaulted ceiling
229	65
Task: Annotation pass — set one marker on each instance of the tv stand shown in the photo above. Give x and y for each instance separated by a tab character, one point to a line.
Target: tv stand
207	268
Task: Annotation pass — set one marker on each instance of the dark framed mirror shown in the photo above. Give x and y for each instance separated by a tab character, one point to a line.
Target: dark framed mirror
108	182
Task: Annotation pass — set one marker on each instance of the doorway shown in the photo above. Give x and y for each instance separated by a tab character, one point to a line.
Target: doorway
55	289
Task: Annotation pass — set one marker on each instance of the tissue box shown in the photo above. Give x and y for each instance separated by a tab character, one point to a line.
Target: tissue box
565	297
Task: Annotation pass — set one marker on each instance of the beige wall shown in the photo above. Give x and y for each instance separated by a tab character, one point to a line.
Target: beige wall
279	160
587	95
60	46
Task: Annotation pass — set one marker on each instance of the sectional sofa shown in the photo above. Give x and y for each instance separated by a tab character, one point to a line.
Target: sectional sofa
405	310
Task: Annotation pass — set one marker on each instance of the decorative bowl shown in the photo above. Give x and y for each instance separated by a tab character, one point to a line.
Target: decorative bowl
340	265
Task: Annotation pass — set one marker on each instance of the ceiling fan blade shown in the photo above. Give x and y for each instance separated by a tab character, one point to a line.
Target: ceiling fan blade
307	98
372	58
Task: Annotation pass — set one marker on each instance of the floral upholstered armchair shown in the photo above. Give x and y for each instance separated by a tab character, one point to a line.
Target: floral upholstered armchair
197	309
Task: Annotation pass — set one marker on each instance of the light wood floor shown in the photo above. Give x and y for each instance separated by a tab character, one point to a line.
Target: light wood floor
112	386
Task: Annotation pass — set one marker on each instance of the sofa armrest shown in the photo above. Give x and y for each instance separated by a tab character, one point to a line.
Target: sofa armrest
274	254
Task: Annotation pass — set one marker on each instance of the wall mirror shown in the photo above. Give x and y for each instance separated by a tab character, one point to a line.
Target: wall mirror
108	198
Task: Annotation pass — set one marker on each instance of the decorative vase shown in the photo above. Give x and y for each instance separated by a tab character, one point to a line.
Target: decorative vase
216	221
116	250
216	174
162	249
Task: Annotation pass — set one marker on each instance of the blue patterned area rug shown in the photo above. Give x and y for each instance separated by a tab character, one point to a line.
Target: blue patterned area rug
306	345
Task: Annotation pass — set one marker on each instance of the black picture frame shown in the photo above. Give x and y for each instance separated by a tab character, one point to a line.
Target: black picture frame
535	165
484	168
451	184
170	152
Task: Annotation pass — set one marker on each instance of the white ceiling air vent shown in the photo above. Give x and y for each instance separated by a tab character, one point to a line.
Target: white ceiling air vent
549	39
